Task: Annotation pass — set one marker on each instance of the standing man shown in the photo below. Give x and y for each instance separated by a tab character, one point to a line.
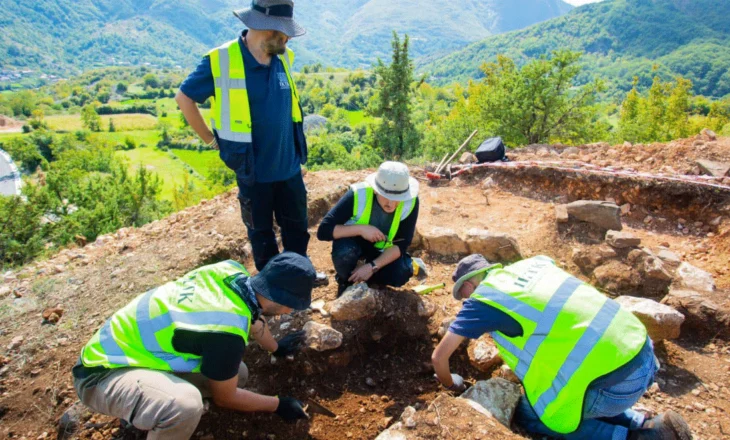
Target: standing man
375	221
256	123
583	361
142	364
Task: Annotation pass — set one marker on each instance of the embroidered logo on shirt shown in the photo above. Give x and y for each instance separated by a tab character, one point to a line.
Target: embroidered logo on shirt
283	81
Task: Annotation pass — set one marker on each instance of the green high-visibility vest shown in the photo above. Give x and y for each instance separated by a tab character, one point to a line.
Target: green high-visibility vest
573	335
363	207
140	334
230	111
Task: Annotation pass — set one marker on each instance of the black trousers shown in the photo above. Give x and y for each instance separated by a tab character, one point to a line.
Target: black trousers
285	200
346	252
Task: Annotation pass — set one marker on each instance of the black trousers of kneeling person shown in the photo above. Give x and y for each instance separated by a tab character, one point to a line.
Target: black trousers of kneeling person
346	252
287	201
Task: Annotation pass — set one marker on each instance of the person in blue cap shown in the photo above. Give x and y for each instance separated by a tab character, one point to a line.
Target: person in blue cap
154	360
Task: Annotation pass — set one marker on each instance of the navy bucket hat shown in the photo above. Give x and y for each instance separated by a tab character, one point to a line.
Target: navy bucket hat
287	279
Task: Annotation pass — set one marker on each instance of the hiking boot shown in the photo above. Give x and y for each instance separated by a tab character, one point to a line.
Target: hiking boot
321	280
666	426
419	269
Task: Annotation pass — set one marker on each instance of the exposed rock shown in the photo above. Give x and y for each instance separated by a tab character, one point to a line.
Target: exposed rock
712	168
561	214
617	277
426	309
318	306
603	214
498	396
694	278
661	321
625	209
448	417
506	373
468	158
483	354
709	134
622	240
588	259
357	302
53	314
654	268
701	315
15	343
444	241
321	337
570	151
494	246
669	258
71	419
4	291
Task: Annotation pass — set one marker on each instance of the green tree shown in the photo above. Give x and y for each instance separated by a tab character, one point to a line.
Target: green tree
395	135
150	80
90	118
112	129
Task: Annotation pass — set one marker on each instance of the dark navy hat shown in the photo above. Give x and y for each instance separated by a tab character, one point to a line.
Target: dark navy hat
287	279
469	267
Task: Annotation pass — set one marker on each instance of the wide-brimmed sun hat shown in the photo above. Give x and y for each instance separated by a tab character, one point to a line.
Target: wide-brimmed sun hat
393	182
469	267
271	15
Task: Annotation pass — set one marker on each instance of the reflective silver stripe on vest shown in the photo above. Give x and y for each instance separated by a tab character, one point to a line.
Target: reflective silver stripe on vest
149	326
111	348
545	324
510	303
407	207
578	354
361	189
230	83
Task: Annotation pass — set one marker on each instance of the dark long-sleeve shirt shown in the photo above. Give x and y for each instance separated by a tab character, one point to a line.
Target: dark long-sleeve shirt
341	213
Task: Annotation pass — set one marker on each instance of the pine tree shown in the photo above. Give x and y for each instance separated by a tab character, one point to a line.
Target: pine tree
395	135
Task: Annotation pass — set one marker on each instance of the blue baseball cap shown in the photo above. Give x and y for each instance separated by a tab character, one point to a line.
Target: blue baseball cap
287	279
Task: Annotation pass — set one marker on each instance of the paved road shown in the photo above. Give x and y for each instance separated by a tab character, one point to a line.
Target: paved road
9	176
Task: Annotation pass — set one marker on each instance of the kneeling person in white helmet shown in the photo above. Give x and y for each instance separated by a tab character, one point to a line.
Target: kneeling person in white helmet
142	364
375	222
582	359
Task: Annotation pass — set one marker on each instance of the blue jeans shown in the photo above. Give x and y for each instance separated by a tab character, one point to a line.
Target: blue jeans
607	413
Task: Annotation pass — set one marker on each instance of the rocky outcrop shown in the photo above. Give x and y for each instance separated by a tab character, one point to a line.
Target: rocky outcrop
661	321
622	240
702	316
357	302
603	214
494	246
444	241
617	277
694	278
498	396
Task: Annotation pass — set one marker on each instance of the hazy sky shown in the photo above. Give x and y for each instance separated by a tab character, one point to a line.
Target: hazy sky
580	2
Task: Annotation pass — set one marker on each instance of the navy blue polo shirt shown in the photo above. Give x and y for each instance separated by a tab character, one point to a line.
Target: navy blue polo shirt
270	101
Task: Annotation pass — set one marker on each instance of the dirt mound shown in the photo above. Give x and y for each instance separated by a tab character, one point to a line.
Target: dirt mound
8	124
676	157
382	367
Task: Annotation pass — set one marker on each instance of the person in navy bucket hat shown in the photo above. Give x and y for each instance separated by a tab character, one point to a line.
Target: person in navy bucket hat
287	279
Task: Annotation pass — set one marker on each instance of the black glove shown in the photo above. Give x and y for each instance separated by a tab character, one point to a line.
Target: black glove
290	344
290	409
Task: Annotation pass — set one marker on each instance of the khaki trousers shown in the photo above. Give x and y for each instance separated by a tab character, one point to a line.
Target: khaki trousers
167	405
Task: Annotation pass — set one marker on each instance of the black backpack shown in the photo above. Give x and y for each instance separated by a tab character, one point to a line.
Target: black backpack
491	150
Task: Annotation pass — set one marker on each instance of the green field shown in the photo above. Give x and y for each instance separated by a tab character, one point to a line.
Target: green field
356	117
146	137
123	122
201	162
170	170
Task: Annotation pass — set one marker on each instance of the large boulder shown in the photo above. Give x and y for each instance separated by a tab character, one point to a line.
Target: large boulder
712	168
498	396
444	241
694	278
617	277
483	354
661	322
702	316
603	214
357	302
494	246
622	240
321	337
448	417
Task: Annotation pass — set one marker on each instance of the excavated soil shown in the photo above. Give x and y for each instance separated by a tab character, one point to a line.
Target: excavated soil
367	384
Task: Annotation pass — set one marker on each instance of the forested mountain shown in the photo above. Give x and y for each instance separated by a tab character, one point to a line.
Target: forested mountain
621	39
67	36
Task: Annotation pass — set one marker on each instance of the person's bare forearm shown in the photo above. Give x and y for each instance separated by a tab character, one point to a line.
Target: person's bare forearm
344	231
247	401
388	256
192	114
